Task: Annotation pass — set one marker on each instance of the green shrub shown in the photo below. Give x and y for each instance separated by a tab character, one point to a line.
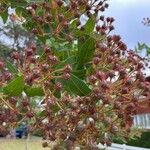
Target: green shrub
143	141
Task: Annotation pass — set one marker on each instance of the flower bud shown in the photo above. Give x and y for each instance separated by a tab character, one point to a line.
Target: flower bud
29	114
100	75
49	18
53	59
58	86
25	103
34	6
45	67
61	17
1	65
98	28
7	76
67	69
92	79
29	52
101	18
15	55
96	60
66	76
59	3
36	74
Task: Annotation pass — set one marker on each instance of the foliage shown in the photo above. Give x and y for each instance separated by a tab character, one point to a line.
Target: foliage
141	141
144	51
142	46
5	50
86	80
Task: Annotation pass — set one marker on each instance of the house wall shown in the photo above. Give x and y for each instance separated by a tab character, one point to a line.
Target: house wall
142	120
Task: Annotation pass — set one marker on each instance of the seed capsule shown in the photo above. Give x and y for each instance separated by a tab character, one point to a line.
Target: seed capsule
29	52
59	3
1	65
66	76
67	69
58	86
15	55
29	114
53	59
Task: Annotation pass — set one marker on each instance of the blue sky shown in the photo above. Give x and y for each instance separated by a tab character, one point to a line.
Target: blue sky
128	15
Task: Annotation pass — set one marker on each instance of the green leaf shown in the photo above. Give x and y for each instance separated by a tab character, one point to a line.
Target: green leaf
73	24
42	57
88	27
90	24
4	16
15	87
41	113
20	11
16	3
57	94
76	86
71	60
148	51
79	73
34	91
11	68
55	108
86	48
1	90
42	38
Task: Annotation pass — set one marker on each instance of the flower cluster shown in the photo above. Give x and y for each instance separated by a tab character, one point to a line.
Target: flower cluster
115	80
58	16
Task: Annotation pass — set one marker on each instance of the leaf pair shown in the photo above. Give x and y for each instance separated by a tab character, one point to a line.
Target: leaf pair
74	85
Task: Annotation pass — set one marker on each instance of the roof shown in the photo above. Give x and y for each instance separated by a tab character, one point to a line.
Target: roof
144	107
